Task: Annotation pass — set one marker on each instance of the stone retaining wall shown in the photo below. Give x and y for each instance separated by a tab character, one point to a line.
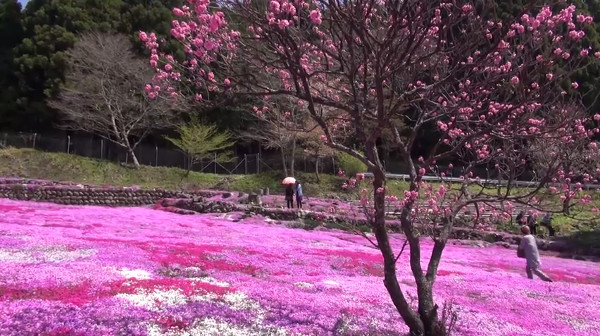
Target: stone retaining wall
79	194
86	196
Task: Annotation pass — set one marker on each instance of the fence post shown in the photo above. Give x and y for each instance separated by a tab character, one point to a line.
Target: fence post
245	164
215	162
5	139
258	163
156	156
101	149
333	165
34	136
68	144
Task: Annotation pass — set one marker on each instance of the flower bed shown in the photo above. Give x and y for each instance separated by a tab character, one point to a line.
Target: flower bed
69	270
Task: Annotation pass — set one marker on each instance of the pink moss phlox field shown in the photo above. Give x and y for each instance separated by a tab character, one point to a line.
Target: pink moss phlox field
67	270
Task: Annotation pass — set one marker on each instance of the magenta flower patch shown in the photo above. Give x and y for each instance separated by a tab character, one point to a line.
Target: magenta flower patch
138	271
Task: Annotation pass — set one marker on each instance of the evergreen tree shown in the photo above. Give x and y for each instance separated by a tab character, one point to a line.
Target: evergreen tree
11	34
50	29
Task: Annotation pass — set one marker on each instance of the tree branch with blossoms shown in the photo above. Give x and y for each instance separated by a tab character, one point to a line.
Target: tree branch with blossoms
489	86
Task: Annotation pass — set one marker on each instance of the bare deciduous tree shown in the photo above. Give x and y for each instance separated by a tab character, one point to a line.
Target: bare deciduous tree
277	130
104	93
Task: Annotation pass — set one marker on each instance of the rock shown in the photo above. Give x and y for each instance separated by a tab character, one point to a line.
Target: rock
241	194
226	194
266	191
254	199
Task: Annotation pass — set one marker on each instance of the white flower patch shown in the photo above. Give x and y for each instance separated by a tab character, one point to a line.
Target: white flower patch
16	256
210	297
156	299
303	284
240	301
212	281
134	273
213	327
330	283
60	254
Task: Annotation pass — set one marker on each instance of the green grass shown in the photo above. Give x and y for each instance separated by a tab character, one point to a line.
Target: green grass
29	163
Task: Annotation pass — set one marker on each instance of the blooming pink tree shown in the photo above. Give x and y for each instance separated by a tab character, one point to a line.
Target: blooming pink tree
489	86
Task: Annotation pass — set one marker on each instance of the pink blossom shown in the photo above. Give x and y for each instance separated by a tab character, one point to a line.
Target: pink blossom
178	12
227	82
574	85
514	80
315	17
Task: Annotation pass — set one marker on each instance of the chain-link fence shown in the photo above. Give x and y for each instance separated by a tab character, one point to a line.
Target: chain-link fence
159	155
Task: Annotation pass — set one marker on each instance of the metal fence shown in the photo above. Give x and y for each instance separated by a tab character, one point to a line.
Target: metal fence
159	154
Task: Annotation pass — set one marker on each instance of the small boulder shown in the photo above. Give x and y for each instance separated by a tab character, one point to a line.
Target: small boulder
254	199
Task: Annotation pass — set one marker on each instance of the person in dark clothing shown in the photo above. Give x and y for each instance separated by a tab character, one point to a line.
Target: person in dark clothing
547	223
531	222
299	195
289	196
520	219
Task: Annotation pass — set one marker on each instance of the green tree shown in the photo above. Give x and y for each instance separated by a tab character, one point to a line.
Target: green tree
11	34
143	15
199	141
50	29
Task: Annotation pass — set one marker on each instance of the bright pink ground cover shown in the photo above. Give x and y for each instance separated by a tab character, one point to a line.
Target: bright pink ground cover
136	271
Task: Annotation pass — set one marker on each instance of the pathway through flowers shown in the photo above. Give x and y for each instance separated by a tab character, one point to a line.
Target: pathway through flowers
137	271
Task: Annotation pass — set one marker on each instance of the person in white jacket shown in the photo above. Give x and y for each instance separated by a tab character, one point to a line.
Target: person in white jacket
528	250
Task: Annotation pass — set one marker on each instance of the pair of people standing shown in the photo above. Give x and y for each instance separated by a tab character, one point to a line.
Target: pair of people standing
531	222
292	189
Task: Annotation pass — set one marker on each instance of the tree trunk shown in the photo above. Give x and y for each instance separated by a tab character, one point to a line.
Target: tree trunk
293	158
189	165
284	162
134	159
566	206
425	322
317	170
130	150
410	317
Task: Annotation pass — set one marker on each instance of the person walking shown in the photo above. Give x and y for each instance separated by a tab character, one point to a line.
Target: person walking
299	195
289	196
547	223
531	222
528	250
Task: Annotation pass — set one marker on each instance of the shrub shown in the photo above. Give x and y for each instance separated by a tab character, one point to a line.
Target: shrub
351	165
